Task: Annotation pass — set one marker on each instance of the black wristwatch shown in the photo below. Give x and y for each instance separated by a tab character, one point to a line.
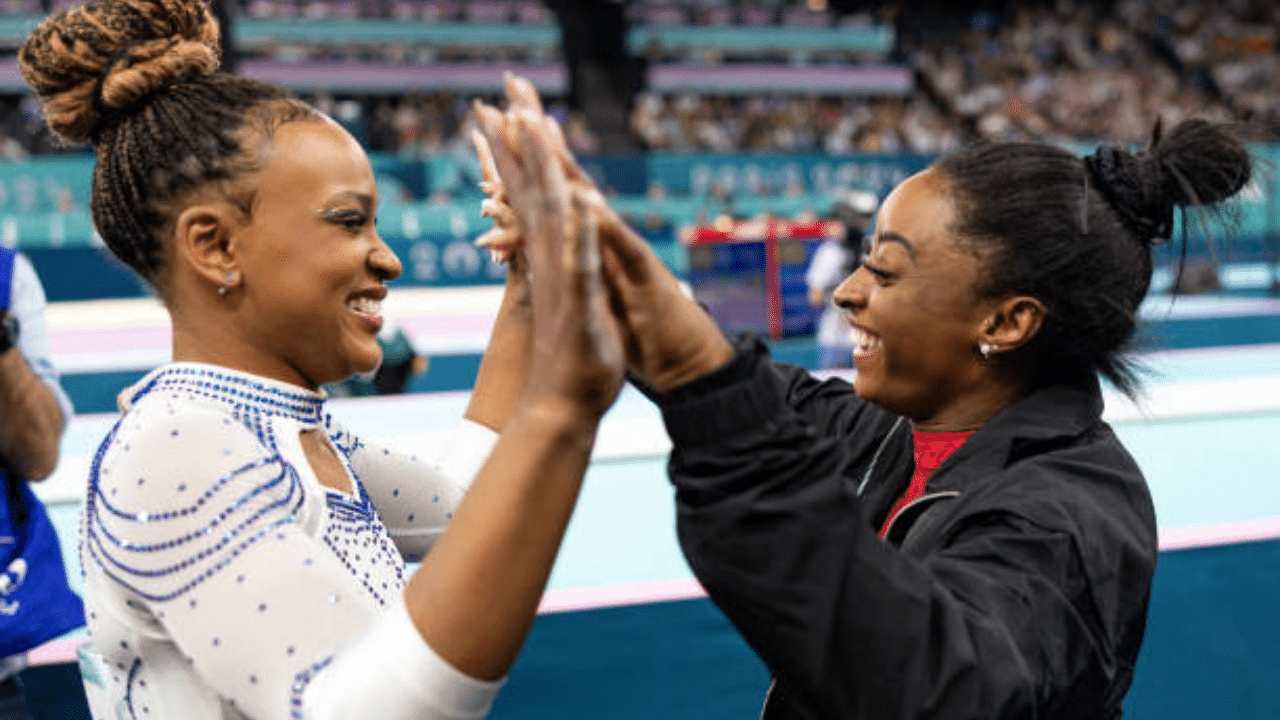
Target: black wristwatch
8	332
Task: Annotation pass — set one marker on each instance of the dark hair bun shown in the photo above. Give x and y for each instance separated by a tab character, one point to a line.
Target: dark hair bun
93	63
1196	164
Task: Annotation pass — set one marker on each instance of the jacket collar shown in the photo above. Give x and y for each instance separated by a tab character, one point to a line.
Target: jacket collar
1044	418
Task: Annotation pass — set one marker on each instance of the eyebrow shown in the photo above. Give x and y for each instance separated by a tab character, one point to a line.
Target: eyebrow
893	237
365	201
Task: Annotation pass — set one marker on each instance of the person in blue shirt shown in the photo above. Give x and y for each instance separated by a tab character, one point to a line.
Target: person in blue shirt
34	410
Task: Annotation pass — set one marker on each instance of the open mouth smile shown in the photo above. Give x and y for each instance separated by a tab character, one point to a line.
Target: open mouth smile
865	342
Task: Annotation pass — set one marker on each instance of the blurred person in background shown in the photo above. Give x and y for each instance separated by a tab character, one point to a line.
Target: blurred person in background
34	411
832	262
401	363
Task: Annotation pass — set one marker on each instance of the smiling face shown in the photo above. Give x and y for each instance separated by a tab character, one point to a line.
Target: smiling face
312	265
914	309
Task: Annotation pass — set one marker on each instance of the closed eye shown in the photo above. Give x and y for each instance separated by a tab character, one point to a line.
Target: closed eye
877	273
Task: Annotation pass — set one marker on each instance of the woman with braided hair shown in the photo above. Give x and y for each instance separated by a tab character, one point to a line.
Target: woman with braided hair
243	553
957	534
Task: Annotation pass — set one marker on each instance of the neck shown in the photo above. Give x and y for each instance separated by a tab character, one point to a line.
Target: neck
213	343
970	412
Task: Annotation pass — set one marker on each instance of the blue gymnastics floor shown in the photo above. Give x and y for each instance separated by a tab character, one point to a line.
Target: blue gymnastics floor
626	633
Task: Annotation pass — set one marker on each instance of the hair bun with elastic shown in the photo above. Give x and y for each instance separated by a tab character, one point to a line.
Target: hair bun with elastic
1130	189
92	64
1196	164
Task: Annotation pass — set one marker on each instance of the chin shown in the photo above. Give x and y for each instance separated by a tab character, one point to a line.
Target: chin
348	366
863	387
875	395
365	362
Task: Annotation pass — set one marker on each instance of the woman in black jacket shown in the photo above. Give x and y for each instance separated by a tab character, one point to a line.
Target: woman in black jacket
958	534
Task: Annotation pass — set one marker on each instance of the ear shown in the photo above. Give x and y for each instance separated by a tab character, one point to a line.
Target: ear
1011	324
206	240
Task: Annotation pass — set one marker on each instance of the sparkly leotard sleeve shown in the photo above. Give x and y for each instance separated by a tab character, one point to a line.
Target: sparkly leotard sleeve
223	581
415	499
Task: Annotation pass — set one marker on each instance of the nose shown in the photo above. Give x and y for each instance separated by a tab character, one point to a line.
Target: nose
383	260
851	293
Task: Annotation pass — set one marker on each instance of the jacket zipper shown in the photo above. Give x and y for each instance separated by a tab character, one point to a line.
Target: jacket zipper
927	497
875	459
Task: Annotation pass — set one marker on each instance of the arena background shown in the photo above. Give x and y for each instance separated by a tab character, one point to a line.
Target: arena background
728	130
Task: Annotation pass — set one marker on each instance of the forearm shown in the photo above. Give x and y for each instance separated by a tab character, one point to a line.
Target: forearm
504	369
32	423
475	596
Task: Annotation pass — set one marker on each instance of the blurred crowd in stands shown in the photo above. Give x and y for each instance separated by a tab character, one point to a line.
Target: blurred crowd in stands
1065	71
794	123
1072	72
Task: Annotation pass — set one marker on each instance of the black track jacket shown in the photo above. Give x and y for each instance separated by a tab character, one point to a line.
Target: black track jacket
1017	587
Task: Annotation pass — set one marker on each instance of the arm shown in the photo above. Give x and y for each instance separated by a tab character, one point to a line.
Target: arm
202	533
32	404
415	499
990	626
475	596
32	427
504	368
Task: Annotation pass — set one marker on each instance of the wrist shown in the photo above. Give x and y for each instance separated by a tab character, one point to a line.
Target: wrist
747	353
556	415
705	361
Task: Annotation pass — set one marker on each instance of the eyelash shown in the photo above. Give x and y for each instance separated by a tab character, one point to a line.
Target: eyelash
877	273
348	219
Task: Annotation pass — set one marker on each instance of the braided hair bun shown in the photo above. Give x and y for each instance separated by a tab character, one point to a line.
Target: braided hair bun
93	64
138	79
1197	164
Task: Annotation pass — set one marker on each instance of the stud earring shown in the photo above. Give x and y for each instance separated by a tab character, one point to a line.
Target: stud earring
986	349
230	278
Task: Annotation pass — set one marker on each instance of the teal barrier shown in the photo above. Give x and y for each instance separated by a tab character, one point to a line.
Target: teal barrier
46	184
772	174
44	202
63	182
872	40
88	272
251	32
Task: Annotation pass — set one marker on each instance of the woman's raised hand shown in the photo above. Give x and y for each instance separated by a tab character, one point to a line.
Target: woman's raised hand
670	340
577	354
503	240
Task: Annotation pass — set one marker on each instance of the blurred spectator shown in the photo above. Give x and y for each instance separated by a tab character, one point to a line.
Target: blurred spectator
833	261
401	363
34	411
